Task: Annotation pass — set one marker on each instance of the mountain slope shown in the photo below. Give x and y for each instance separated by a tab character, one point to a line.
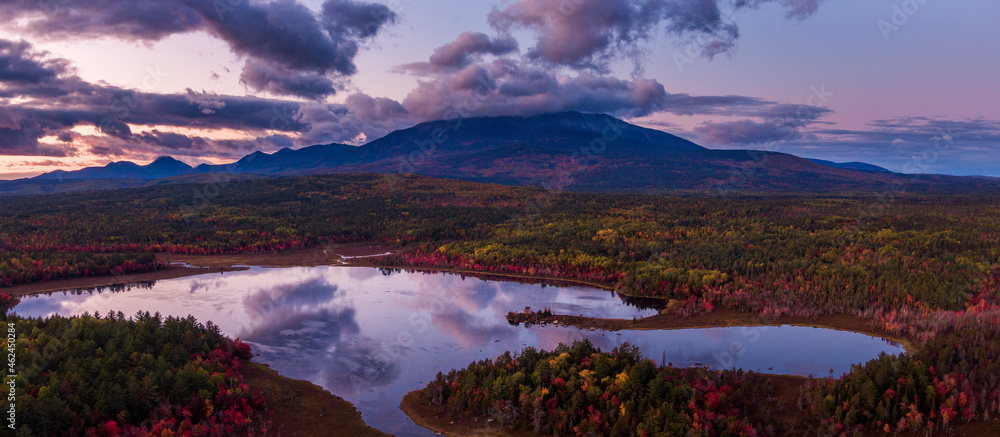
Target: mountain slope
284	161
162	167
572	151
854	165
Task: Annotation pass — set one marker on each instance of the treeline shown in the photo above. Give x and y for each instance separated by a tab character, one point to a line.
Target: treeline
579	390
20	267
771	256
88	234
140	376
954	376
778	256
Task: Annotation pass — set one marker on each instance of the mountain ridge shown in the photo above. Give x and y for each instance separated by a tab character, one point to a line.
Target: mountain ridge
569	150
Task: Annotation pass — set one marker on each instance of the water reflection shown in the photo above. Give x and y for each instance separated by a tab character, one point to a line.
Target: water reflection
373	335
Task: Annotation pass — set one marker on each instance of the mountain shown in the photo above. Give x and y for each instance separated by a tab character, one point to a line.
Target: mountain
281	162
570	150
162	167
854	165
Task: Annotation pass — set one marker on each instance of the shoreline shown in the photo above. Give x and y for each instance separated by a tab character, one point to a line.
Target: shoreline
545	279
437	420
724	318
301	408
334	255
298	420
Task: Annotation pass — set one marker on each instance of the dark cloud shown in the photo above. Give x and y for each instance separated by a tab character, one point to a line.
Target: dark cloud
355	19
290	50
147	20
261	75
704	24
466	48
580	33
518	87
476	91
585	35
20	64
590	33
171	141
458	53
45	163
743	106
362	114
8	120
280	39
56	100
744	132
800	9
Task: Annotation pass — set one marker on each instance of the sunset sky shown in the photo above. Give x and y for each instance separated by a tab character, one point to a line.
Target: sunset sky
87	82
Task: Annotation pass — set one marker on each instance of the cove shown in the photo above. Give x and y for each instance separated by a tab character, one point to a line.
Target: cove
372	335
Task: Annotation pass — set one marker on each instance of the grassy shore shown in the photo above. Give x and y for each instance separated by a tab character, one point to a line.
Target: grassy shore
300	408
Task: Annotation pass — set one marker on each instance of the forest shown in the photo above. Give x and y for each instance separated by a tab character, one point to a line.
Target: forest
917	265
579	390
145	375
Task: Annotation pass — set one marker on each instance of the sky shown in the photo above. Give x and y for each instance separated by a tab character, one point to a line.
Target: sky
909	85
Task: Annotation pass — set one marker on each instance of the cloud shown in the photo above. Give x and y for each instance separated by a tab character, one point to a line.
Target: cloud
591	33
505	89
356	19
362	116
800	9
279	38
20	64
521	87
290	50
744	132
273	78
919	130
45	163
580	33
457	54
466	48
8	120
910	144
135	20
585	36
54	100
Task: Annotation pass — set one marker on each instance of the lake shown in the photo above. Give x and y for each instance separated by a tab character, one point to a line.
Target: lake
372	335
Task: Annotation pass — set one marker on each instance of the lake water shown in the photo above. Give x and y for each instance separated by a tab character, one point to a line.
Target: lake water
371	335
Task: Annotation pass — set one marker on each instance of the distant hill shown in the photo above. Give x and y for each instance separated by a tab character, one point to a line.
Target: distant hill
854	165
284	161
162	167
570	150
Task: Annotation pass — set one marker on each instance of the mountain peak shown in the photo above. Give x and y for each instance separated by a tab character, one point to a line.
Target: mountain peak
165	160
